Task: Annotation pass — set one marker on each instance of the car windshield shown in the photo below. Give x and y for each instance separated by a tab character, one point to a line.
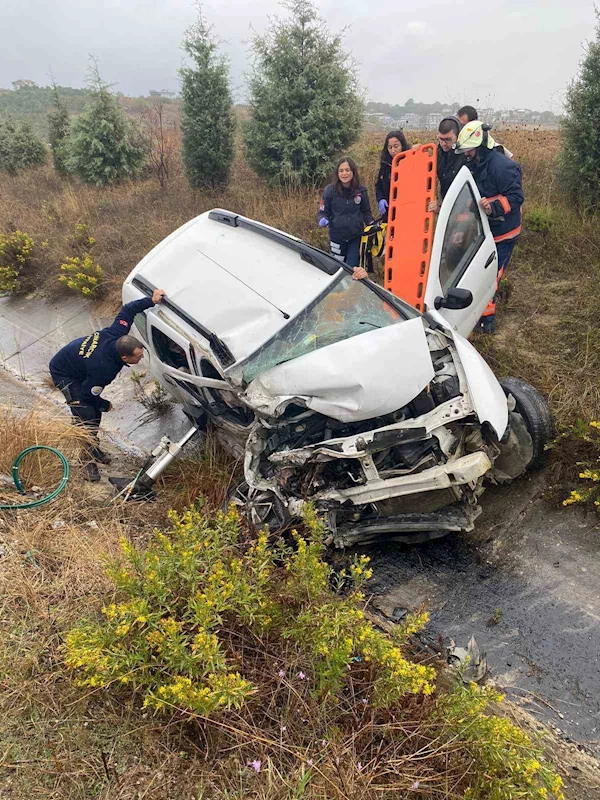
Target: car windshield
347	308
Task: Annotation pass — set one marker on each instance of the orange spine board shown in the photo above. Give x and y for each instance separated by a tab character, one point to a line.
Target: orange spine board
410	224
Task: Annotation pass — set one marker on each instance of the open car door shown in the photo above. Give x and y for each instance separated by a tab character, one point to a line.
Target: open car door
463	257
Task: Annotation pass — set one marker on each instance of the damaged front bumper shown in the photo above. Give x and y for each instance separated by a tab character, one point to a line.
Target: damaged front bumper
463	471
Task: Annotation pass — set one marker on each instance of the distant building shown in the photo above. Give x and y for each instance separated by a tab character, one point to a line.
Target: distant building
379	118
22	84
412	121
487	114
433	120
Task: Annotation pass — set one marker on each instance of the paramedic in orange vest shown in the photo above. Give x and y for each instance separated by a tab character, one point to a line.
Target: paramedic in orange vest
498	179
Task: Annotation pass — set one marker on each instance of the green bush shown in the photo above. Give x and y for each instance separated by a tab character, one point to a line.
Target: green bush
539	219
20	147
59	126
15	256
104	145
580	156
207	122
304	100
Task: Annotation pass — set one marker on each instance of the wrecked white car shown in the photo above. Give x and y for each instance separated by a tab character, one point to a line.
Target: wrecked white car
333	390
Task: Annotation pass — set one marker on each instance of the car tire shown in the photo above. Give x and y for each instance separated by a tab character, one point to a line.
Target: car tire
534	410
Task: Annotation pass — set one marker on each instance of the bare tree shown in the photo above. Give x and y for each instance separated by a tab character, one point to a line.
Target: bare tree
162	140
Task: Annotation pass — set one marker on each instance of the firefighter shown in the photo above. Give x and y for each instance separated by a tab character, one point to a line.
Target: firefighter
498	179
84	367
345	209
395	142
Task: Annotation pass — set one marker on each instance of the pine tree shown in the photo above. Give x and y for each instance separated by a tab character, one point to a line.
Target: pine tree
304	100
104	145
207	120
59	126
20	147
580	157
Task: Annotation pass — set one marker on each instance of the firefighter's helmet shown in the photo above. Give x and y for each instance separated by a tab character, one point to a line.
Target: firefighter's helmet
474	134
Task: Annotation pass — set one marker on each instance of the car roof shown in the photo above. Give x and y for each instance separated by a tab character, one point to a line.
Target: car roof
241	280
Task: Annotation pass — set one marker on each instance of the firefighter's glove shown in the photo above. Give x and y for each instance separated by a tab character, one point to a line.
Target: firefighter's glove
383	206
323	222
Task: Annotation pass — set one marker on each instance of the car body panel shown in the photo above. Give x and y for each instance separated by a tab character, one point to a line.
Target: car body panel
462	222
486	393
355	379
261	284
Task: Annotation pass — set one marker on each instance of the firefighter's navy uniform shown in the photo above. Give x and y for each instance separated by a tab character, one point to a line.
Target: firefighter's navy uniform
498	179
85	366
347	214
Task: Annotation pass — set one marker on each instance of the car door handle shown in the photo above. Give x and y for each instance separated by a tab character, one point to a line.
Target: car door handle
491	258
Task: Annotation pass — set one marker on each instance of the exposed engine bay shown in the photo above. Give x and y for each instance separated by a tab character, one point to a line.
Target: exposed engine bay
384	474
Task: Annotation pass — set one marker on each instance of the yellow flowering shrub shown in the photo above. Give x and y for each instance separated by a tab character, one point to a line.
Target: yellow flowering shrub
203	621
79	272
81	275
15	256
164	636
510	766
589	491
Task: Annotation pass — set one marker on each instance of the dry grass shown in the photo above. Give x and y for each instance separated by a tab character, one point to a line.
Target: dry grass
55	740
207	471
37	427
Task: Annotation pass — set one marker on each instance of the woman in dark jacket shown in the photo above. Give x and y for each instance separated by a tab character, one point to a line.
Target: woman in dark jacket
345	209
395	142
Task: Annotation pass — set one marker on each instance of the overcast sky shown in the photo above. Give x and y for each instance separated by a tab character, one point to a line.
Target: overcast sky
499	54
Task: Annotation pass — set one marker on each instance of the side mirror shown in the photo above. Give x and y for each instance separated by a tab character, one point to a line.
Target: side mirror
454	300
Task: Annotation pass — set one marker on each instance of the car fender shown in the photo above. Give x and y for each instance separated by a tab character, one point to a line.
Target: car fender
487	396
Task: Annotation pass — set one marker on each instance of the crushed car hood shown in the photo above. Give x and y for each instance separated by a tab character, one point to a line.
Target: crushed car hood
356	379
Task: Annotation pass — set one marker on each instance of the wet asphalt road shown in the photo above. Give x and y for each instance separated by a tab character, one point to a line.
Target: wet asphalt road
529	564
526	584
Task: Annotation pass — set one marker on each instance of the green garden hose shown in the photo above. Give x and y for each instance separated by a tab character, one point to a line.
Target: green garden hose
17	481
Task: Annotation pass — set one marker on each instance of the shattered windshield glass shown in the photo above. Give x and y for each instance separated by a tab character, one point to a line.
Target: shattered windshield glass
347	308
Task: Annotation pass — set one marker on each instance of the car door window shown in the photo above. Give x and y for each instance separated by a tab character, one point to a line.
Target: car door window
169	351
463	238
141	325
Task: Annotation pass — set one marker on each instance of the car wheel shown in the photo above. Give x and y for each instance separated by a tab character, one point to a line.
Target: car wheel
262	509
534	410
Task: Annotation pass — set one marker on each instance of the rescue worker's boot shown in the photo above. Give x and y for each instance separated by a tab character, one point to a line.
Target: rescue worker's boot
487	324
91	472
100	455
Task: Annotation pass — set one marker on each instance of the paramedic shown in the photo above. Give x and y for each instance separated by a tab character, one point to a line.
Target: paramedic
498	179
395	142
85	366
345	210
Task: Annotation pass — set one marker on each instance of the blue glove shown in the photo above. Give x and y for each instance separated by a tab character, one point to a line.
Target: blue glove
383	206
323	222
